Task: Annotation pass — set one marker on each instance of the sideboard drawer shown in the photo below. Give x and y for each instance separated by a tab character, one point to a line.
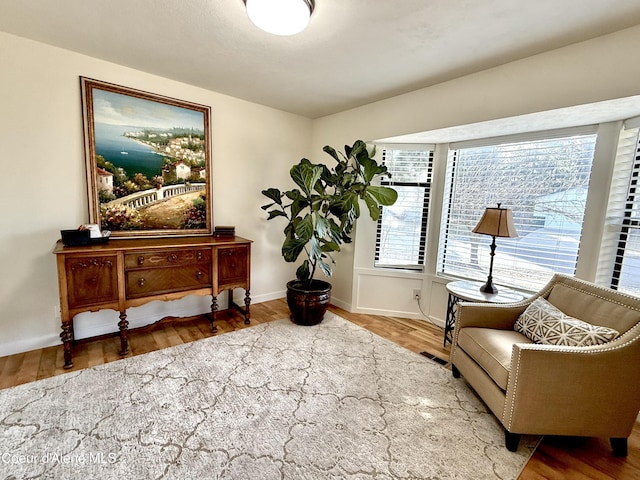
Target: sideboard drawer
166	258
156	281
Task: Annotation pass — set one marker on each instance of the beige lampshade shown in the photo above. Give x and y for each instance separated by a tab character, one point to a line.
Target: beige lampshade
497	222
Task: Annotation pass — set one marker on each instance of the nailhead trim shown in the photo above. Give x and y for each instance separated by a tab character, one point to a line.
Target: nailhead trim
607	299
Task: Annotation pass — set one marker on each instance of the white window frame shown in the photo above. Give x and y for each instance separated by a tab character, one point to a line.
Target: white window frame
417	183
526	282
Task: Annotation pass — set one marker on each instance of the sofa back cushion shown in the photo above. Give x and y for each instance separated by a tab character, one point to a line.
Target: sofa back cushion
596	305
543	323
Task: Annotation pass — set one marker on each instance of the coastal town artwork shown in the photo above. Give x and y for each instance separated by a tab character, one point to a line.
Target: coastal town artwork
147	161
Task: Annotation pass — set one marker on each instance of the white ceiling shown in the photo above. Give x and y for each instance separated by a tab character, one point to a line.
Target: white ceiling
354	51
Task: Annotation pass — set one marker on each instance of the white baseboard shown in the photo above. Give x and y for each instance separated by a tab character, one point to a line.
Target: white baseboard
28	344
394	313
340	303
265	297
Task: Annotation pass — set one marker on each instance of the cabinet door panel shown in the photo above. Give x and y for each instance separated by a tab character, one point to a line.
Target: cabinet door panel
232	266
91	280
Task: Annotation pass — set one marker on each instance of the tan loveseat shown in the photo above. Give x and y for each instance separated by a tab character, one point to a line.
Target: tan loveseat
540	389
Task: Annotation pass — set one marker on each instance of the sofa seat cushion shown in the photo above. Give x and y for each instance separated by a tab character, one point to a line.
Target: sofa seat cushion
491	349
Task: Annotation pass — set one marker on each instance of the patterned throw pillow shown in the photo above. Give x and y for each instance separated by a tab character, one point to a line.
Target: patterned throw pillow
543	323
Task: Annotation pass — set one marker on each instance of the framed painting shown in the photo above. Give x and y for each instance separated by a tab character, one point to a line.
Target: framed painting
148	161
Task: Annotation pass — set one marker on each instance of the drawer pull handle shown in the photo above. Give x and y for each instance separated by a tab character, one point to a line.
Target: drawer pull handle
142	281
140	260
199	275
199	255
172	257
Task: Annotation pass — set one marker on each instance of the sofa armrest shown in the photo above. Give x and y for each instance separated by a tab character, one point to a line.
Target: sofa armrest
574	390
501	316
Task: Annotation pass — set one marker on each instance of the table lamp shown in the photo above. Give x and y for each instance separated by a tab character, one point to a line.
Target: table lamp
497	222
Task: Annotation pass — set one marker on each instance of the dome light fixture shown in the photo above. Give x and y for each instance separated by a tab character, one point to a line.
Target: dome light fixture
280	17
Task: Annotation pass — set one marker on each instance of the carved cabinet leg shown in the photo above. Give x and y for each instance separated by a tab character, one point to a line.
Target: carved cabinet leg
124	341
247	303
67	339
214	309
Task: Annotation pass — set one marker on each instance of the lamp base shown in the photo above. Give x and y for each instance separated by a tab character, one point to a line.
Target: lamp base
489	287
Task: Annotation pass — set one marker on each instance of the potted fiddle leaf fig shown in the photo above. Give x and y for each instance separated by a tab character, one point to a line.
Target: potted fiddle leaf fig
320	215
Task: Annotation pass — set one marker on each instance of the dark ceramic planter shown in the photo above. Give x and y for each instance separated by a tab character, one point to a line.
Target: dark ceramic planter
308	302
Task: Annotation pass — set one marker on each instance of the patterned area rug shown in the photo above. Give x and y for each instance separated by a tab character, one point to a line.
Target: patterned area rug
272	401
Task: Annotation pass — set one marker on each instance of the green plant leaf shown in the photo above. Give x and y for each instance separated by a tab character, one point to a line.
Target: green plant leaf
372	205
341	206
384	195
335	231
372	154
325	268
331	151
291	249
294	194
330	247
322	225
306	175
303	272
371	169
274	194
297	207
315	252
304	229
355	211
358	148
276	213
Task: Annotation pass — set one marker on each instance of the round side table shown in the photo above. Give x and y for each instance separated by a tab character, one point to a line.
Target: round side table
469	291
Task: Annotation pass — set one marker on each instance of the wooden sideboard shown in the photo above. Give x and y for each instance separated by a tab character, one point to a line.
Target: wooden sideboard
123	273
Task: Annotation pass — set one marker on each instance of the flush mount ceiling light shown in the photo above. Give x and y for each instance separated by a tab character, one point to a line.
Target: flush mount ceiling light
280	17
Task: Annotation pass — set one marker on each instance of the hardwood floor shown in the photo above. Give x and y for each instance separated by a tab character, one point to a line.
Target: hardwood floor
556	458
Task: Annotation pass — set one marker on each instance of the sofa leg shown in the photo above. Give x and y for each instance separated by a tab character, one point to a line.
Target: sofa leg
619	447
455	371
511	440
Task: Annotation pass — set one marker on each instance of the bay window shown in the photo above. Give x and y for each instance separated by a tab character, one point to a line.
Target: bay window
543	178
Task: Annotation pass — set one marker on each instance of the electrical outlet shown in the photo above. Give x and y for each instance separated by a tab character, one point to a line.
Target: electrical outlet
416	294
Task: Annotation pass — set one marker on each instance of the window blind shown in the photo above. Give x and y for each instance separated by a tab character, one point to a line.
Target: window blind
621	243
402	228
623	166
544	181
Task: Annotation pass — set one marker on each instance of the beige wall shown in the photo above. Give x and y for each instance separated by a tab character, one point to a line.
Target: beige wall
588	72
44	187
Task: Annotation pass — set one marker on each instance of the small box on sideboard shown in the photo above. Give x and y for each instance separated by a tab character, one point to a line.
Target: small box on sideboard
224	231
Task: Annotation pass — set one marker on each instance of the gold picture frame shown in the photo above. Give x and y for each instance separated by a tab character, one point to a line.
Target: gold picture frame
148	162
